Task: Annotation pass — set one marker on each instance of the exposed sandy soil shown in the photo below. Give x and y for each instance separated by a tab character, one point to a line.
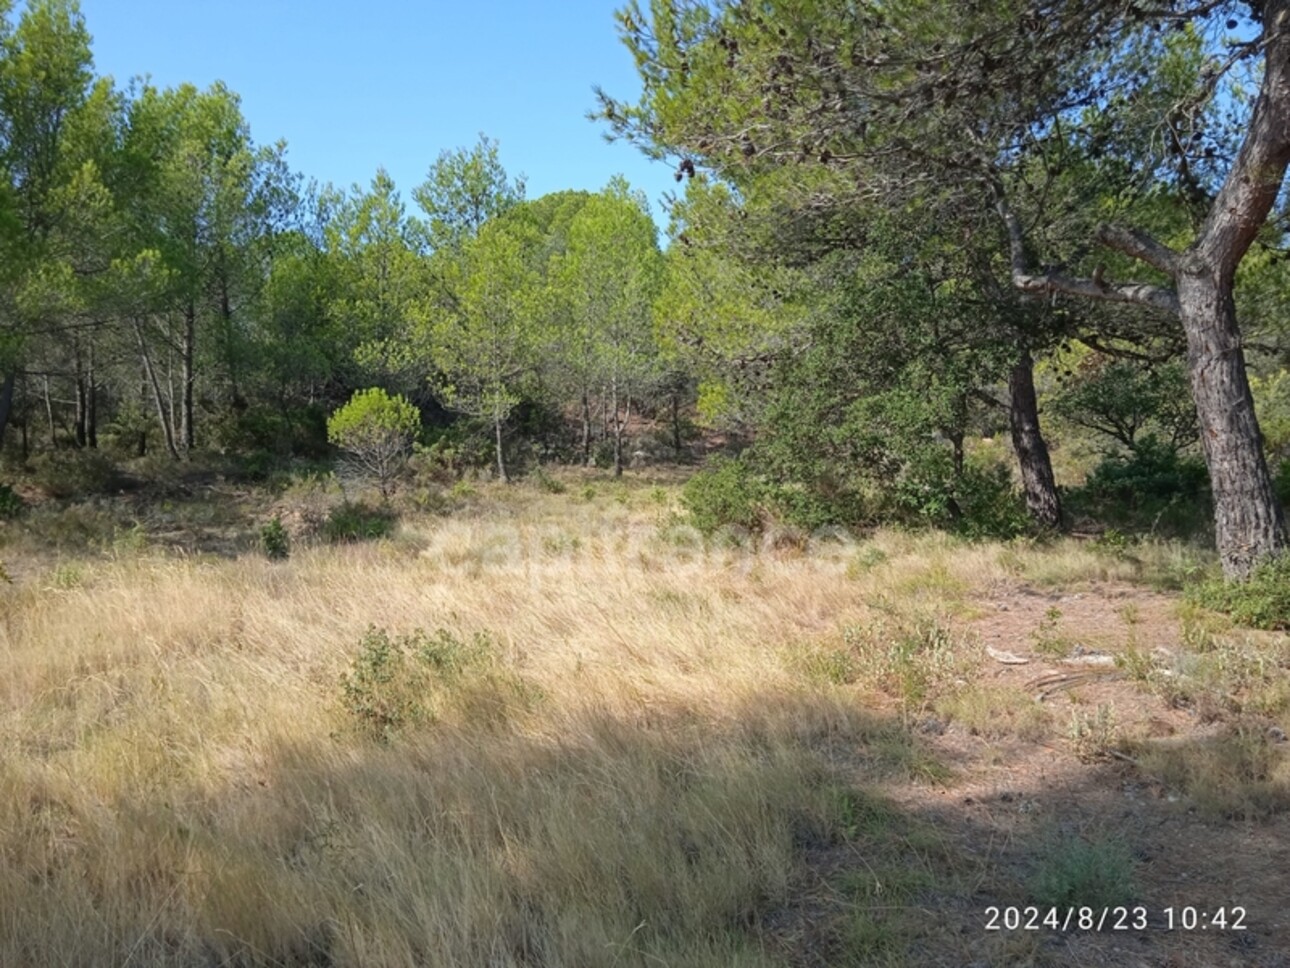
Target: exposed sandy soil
1003	792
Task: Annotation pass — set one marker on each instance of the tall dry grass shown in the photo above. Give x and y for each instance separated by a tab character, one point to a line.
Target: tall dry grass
182	783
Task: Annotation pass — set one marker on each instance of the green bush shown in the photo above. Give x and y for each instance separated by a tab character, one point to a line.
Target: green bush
376	431
725	494
730	493
1282	483
400	682
297	431
981	502
355	521
1262	601
1153	489
274	540
11	503
75	473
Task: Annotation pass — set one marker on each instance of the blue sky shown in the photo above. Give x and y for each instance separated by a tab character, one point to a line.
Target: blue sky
353	86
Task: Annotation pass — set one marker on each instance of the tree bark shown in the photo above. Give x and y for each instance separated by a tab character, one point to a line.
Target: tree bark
501	456
91	403
49	413
167	428
618	435
1037	479
676	423
1249	522
586	429
82	402
6	407
189	377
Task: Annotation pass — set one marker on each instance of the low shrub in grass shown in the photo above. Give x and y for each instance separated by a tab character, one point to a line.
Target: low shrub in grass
732	493
1073	872
1155	489
74	473
11	503
274	541
398	682
1262	601
356	521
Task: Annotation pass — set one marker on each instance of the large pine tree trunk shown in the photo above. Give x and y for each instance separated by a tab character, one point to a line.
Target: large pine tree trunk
1248	518
1032	453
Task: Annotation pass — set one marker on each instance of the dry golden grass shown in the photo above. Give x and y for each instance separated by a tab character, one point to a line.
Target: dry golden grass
185	785
633	781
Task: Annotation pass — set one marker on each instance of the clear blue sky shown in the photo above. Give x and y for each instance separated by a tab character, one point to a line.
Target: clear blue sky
356	85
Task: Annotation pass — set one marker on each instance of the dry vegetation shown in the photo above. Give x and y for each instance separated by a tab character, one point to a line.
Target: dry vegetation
557	729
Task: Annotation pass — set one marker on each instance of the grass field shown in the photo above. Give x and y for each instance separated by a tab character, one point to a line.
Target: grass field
552	726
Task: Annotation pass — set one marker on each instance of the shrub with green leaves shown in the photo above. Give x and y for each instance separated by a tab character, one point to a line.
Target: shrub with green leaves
731	493
399	682
11	503
356	521
376	431
274	540
1153	489
1261	601
725	494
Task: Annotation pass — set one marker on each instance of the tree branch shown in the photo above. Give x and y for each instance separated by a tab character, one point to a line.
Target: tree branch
1142	294
1140	246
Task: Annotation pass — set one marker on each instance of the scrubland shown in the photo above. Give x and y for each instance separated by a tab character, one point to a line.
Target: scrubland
550	725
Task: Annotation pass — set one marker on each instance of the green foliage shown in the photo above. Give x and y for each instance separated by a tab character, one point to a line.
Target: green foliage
1152	489
298	431
1282	483
1122	400
463	190
1074	872
11	503
355	521
726	494
377	431
274	540
730	493
1261	601
74	473
384	687
399	682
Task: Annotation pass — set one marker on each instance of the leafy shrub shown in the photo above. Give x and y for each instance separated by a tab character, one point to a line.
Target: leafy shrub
1261	601
72	473
274	540
11	503
725	494
911	658
1282	483
355	521
1154	488
400	682
730	493
1073	872
298	431
547	483
384	689
376	430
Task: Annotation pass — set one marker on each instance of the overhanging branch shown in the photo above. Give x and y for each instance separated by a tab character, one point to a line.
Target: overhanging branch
1142	294
1140	246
